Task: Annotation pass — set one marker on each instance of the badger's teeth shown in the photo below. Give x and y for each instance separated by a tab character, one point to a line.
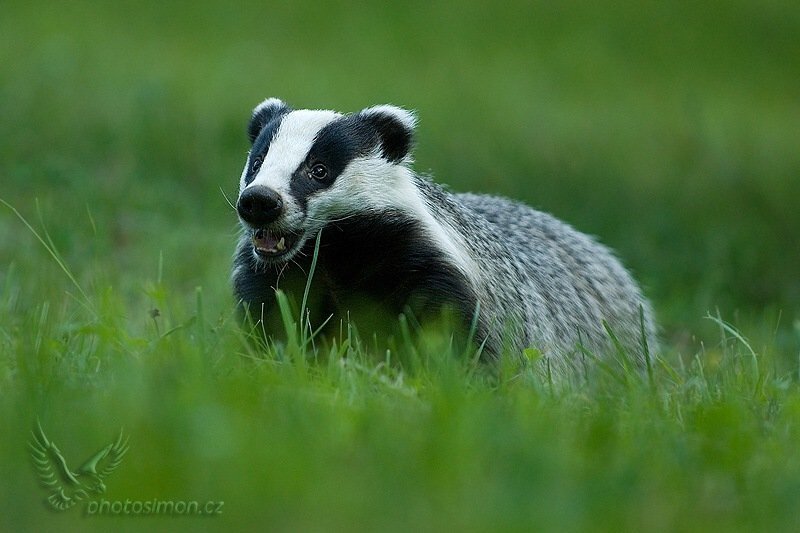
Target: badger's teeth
281	246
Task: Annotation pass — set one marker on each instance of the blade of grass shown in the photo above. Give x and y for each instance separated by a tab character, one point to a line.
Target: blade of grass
87	304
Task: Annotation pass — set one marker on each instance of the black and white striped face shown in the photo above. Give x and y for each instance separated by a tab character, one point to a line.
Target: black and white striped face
309	167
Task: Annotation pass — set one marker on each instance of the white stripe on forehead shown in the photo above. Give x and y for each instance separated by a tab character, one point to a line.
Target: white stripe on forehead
289	147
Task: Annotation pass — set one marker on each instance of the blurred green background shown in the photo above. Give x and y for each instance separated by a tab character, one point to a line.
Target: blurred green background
669	130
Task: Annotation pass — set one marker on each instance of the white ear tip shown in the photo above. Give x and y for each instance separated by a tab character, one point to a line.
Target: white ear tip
404	116
269	102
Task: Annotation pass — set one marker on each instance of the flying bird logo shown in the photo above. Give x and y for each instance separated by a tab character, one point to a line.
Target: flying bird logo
67	487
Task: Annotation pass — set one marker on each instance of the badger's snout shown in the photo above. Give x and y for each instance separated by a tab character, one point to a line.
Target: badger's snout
259	206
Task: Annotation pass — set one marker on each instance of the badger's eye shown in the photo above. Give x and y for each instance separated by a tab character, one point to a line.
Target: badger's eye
318	172
256	164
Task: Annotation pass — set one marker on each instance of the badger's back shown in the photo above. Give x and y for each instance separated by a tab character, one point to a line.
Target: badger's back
567	285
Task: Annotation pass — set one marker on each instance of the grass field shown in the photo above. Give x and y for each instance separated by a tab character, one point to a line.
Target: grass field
670	131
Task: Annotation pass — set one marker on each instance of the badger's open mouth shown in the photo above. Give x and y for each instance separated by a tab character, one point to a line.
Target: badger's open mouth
271	245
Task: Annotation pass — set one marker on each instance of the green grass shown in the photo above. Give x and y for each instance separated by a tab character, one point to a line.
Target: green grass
669	131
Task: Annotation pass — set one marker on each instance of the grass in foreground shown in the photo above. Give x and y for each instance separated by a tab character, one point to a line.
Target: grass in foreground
333	436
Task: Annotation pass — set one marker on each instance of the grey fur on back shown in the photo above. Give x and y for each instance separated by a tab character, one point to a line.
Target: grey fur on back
543	284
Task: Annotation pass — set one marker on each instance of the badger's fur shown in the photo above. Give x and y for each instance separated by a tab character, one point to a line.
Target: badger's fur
396	238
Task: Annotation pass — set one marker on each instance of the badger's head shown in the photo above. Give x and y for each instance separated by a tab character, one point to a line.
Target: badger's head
307	168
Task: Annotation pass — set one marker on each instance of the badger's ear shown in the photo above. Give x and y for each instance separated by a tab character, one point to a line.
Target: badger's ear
395	127
263	114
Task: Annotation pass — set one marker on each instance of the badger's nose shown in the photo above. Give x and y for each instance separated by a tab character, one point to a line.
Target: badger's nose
259	205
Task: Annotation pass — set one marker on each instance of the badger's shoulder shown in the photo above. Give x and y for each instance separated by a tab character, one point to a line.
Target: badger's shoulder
517	218
529	229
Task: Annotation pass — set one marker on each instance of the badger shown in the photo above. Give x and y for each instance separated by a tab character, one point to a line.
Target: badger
338	190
